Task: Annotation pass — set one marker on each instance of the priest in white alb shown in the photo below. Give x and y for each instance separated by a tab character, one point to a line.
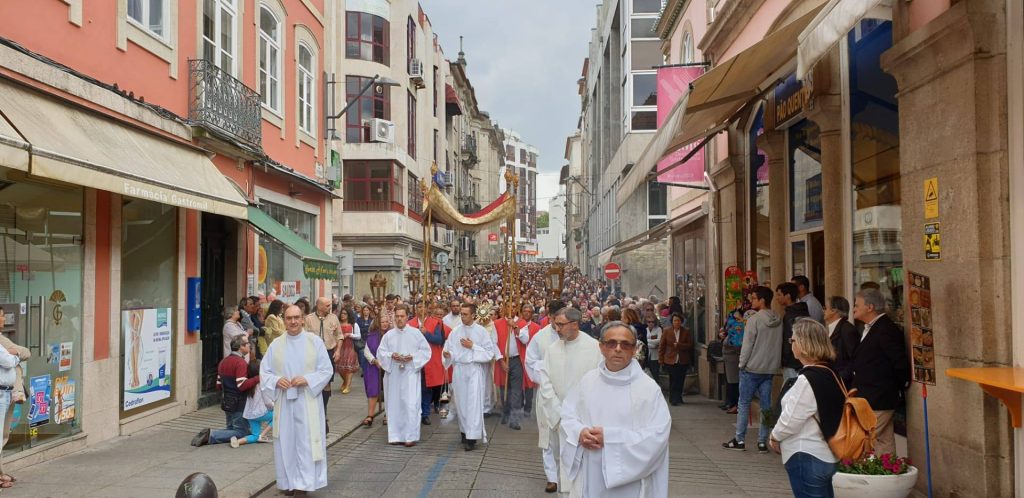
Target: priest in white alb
468	348
535	350
402	353
615	426
566	361
293	374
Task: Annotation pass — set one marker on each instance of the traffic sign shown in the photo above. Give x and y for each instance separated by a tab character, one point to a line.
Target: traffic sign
612	271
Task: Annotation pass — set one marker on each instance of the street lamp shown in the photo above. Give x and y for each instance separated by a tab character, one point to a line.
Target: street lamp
330	117
379	288
413	280
556	279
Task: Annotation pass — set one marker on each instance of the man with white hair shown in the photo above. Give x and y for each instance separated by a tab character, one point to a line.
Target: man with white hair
325	325
615	425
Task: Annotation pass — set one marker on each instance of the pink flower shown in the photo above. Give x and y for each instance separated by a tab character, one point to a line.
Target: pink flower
847	462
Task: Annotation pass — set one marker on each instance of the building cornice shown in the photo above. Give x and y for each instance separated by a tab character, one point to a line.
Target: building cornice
670	18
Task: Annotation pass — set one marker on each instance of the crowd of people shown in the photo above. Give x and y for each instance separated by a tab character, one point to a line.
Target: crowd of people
560	359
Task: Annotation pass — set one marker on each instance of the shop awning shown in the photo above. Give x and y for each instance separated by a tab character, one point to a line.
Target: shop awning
13	148
716	97
451	99
660	231
77	146
832	25
315	263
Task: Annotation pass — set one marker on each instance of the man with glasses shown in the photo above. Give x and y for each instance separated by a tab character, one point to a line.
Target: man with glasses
566	361
616	419
534	359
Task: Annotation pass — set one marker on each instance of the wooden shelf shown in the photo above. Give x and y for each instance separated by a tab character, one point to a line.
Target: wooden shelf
1004	383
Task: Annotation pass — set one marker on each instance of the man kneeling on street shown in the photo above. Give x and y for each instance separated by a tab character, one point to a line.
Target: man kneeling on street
234	384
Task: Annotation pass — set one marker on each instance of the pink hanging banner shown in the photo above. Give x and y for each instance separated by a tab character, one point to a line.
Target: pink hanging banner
673	83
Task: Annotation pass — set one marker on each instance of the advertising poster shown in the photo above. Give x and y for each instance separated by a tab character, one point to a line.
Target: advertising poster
673	82
66	349
147	356
922	342
733	287
39	397
63	400
53	353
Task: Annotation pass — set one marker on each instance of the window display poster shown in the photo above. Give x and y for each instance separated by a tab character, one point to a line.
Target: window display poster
39	397
922	342
147	356
63	400
66	349
53	353
733	287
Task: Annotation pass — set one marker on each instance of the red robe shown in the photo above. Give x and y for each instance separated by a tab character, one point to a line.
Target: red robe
544	322
433	371
501	327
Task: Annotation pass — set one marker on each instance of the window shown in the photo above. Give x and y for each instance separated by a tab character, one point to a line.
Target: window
373	186
805	177
436	93
410	43
644	114
270	60
657	204
375	103
412	126
758	205
646	6
510	153
522	156
436	135
367	37
307	89
219	32
301	223
151	15
415	198
688	57
643	28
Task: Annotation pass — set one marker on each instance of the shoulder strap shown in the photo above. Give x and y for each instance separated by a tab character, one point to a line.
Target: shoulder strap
842	386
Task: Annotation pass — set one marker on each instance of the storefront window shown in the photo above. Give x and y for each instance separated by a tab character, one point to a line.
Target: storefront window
41	230
805	210
877	253
758	206
149	268
284	276
300	222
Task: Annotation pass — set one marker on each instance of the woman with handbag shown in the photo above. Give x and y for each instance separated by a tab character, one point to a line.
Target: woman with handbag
811	412
674	354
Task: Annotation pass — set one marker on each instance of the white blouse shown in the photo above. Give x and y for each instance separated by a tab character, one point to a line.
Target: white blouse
797	430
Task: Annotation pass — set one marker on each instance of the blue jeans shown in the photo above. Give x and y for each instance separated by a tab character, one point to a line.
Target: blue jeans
810	477
237	426
256	426
750	384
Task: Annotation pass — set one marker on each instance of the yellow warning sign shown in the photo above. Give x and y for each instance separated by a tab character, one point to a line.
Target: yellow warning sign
932	249
931	198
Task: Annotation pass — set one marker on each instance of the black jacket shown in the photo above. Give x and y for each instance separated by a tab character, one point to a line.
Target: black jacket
793	311
845	340
880	367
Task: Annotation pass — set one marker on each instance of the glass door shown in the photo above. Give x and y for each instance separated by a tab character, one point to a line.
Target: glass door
807	258
41	228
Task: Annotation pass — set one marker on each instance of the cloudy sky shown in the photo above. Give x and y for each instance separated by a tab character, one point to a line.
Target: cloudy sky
524	58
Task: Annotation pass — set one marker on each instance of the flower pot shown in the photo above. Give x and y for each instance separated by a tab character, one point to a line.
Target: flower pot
860	485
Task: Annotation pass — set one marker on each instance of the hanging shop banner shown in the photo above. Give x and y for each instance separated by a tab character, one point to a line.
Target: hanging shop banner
63	400
320	270
673	83
147	356
922	342
733	287
39	396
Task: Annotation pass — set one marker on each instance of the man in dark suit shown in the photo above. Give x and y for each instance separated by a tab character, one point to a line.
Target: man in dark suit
787	294
881	370
842	333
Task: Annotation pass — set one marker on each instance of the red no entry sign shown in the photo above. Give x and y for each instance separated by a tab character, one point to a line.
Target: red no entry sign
612	271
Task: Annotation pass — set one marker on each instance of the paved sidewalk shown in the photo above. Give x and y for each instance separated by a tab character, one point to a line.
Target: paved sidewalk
153	462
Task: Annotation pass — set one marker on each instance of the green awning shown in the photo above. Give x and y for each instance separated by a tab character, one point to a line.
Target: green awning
315	264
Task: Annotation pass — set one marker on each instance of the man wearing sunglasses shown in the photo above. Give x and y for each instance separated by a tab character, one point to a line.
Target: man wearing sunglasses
615	425
565	362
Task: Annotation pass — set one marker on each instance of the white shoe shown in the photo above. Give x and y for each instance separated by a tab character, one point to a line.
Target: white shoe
266	439
234	442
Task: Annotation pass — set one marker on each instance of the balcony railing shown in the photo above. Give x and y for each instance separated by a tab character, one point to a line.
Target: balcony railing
368	206
221	102
469	150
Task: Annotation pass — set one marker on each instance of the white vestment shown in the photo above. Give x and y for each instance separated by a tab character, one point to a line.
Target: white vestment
300	434
629	407
535	350
565	363
488	399
402	386
469	377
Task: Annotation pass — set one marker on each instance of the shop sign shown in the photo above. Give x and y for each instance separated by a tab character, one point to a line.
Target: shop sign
527	252
492	238
320	270
932	249
288	289
922	341
789	99
931	198
414	264
147	358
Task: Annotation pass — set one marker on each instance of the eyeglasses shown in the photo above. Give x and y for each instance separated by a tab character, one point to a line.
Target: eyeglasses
562	324
792	340
624	345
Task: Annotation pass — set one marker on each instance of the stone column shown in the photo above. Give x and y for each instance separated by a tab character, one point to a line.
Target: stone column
773	143
828	115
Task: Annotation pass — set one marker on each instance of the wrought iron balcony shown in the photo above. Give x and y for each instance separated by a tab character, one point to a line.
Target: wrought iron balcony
469	151
222	103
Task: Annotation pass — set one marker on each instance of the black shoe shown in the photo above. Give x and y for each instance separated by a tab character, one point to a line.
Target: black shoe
733	444
723	406
762	447
425	420
327	427
463	437
202	438
676	403
469	445
504	419
436	409
515	427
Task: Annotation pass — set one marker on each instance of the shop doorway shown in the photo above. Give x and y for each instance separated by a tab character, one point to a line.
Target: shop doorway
213	244
807	258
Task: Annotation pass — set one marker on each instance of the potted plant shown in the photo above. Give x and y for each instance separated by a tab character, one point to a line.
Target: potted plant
885	476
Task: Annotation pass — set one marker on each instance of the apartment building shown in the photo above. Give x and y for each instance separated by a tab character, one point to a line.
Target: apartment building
521	159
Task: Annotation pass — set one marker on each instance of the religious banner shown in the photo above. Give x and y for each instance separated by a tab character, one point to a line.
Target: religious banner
147	356
673	83
922	342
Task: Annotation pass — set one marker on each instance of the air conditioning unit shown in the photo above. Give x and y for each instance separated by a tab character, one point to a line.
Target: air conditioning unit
416	73
382	131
